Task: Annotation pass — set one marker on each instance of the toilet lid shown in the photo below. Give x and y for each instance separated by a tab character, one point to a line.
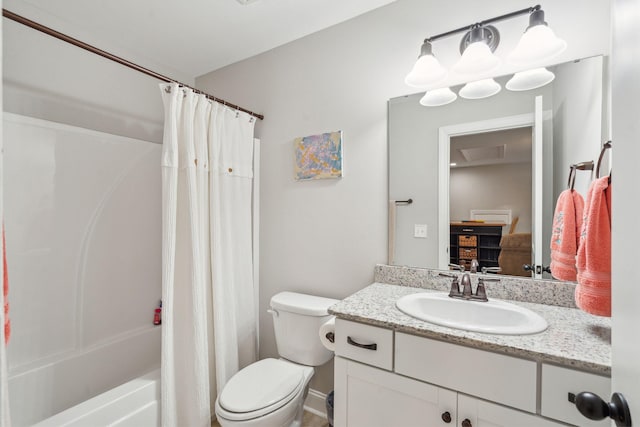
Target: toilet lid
260	385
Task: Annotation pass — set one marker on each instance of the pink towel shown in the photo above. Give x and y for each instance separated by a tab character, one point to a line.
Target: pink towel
593	293
5	290
565	237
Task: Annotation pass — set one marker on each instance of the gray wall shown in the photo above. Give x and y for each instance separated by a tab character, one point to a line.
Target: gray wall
325	237
475	188
577	120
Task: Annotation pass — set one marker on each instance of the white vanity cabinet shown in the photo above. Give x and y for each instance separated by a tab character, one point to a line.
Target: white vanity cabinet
387	378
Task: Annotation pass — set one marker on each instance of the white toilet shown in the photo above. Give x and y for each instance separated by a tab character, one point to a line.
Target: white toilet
271	392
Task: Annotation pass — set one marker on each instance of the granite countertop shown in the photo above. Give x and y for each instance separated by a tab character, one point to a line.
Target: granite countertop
573	339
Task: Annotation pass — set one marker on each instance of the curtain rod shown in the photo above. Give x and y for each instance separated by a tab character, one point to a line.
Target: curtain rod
60	36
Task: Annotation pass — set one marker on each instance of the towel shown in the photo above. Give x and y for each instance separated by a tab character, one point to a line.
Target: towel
565	236
5	290
593	293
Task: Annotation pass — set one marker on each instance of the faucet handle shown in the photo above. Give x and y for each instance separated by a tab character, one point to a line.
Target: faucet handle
481	292
455	287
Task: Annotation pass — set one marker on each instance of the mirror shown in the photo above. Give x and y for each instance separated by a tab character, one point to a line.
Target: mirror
572	128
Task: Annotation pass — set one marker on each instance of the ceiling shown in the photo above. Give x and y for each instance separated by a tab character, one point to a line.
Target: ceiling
189	38
489	148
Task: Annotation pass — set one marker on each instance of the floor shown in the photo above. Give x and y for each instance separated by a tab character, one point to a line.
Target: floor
308	420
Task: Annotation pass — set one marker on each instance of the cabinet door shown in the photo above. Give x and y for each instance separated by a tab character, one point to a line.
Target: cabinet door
484	414
370	397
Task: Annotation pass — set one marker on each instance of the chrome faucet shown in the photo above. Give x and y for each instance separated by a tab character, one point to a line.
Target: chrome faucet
474	266
457	267
467	290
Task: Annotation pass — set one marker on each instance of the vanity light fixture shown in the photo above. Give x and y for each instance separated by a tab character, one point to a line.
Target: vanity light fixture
530	79
438	97
480	89
477	54
427	69
537	45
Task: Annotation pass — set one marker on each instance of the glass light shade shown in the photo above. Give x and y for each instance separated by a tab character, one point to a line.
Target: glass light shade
480	89
537	44
438	97
477	59
530	79
426	72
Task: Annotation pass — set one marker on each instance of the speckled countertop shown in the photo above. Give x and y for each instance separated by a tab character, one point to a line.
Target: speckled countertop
573	339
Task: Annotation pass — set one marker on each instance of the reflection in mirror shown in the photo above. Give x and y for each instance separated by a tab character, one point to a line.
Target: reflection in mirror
572	131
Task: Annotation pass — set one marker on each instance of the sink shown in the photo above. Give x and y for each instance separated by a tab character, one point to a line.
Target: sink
492	317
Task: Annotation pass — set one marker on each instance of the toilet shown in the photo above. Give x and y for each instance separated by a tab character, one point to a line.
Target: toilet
271	392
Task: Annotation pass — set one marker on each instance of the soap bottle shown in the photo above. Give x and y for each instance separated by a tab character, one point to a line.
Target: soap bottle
157	317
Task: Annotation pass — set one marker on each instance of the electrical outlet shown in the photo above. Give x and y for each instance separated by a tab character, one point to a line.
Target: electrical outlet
420	231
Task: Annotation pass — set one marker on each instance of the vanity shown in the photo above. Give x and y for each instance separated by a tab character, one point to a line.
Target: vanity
392	369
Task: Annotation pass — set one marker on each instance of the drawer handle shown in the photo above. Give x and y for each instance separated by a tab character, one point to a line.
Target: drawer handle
446	417
467	229
373	347
466	423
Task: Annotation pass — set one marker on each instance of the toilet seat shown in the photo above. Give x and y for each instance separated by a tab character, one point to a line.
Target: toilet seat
261	388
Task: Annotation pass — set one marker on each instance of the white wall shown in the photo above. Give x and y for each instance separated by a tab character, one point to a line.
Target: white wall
625	232
49	79
87	326
325	237
475	188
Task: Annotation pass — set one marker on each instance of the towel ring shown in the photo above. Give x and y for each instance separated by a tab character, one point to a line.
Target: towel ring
572	177
605	147
582	166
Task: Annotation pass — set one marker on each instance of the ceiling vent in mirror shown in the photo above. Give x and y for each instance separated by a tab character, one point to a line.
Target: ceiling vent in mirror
475	154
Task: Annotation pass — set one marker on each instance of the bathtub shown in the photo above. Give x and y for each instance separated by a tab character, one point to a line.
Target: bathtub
132	404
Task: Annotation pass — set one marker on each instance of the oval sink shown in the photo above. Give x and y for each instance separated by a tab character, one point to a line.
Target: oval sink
492	317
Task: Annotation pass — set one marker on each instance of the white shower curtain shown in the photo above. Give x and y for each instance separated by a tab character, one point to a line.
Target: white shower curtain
207	251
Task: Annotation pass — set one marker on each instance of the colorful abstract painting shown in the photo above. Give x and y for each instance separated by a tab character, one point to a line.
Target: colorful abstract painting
319	156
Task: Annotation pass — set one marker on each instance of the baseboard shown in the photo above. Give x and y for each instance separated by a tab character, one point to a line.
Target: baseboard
315	403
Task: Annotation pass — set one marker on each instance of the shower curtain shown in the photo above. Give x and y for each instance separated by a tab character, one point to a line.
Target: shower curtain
208	289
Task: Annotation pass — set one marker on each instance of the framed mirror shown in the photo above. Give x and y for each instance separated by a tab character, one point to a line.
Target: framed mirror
499	180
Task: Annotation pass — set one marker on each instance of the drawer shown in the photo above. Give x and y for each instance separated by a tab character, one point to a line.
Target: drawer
468	253
468	241
558	382
364	343
508	380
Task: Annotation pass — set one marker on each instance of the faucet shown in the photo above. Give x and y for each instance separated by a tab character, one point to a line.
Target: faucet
474	266
467	290
457	267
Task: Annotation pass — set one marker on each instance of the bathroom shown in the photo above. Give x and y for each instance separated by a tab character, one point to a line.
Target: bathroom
321	237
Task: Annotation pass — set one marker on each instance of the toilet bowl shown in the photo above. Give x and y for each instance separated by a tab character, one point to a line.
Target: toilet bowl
271	392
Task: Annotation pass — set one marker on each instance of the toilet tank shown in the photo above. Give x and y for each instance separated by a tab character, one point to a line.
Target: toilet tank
296	321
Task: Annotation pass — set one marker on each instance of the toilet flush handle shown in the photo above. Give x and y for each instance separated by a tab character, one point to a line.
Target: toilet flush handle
273	312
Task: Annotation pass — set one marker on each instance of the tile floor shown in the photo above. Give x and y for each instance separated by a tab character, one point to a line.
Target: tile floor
308	420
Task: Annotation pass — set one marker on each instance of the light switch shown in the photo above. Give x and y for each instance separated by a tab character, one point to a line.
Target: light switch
420	231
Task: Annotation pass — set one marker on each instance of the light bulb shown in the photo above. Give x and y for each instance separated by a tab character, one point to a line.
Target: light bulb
538	43
477	59
427	70
480	89
438	97
530	79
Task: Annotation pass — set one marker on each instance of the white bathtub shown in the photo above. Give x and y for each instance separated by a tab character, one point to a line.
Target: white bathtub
133	404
